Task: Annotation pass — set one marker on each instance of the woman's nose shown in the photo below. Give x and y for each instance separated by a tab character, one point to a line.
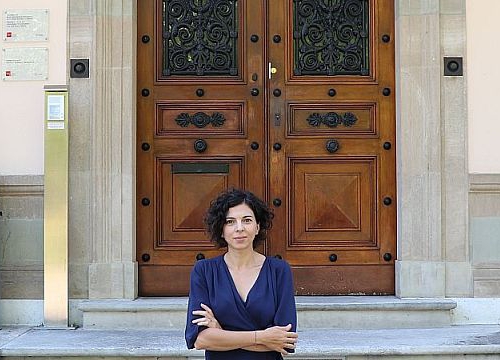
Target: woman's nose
239	226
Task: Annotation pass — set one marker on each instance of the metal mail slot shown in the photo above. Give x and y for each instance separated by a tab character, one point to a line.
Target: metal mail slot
200	168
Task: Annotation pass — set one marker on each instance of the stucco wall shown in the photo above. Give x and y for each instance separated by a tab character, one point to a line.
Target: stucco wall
483	83
21	112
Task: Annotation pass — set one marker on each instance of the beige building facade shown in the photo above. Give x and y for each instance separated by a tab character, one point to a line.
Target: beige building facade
448	171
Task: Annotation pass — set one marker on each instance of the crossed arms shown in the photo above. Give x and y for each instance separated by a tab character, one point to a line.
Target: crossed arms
275	338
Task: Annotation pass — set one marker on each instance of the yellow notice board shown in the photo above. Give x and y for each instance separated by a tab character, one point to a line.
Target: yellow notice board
56	208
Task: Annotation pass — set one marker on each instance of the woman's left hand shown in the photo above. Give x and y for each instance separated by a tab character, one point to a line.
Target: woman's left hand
207	317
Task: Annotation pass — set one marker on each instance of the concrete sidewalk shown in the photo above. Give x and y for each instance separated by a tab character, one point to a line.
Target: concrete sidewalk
429	343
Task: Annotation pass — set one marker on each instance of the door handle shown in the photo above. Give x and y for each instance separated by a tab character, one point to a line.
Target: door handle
272	70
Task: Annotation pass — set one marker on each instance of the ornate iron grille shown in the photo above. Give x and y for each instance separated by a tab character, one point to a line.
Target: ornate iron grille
331	37
200	37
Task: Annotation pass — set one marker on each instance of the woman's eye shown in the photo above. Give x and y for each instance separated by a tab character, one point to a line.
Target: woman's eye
229	222
247	221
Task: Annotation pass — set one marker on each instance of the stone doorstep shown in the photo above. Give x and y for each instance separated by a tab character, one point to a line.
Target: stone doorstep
431	343
363	312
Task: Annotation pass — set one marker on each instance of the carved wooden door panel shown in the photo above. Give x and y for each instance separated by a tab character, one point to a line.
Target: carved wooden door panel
200	127
332	173
291	99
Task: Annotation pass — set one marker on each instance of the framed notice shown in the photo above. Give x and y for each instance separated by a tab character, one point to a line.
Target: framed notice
26	25
55	107
25	63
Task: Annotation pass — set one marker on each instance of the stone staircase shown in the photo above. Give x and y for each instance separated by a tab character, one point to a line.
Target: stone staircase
477	342
315	312
333	328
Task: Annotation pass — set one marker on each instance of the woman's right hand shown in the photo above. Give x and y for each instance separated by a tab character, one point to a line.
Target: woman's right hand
277	338
207	317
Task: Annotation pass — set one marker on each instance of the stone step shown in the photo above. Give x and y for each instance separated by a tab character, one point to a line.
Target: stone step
348	312
479	342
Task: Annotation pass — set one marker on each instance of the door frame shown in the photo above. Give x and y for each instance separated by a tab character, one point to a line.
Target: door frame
112	222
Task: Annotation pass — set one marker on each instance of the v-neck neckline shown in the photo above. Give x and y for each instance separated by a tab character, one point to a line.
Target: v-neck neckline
233	284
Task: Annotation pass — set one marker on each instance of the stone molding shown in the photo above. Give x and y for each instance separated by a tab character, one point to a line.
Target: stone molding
484	183
21	185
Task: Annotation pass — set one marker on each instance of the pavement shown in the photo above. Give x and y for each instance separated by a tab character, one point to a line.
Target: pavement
313	343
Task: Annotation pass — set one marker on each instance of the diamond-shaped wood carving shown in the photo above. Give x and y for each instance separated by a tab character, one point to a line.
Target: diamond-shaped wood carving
332	201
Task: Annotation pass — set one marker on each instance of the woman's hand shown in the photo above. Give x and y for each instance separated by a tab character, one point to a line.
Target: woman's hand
277	338
208	319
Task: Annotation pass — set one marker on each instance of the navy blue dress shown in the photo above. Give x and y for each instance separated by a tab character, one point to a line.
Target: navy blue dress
270	302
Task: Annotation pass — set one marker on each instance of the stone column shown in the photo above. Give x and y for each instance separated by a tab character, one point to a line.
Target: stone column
113	269
420	269
432	174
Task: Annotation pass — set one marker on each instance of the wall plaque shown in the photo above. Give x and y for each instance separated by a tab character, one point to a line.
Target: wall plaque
26	25
25	63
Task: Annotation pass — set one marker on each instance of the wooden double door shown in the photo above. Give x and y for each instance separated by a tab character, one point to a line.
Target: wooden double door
291	99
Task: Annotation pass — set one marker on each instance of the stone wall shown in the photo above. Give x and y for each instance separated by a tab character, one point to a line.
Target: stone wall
21	237
484	233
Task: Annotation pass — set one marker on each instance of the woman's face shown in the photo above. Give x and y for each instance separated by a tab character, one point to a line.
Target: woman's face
240	227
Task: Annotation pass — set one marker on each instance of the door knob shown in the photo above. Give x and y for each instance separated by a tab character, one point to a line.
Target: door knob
332	146
200	145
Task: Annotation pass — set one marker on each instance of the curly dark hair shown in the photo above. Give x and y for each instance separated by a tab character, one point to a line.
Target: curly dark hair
215	217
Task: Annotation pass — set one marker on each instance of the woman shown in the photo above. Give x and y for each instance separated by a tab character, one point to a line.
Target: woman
241	304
